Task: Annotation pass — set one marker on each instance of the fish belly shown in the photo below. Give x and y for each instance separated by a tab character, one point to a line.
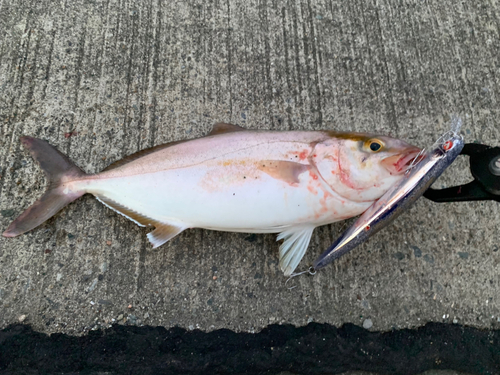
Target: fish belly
228	199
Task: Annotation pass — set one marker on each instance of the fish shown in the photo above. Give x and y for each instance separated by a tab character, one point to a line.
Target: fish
420	176
233	179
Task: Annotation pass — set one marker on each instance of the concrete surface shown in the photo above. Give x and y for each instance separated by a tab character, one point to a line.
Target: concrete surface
126	75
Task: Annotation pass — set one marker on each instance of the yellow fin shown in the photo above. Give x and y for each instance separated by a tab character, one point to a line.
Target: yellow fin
287	171
222	127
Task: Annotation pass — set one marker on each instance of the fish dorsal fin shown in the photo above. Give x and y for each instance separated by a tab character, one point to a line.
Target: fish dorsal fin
139	154
294	247
222	127
163	231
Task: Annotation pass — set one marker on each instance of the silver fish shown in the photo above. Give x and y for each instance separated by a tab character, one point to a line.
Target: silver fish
397	199
235	180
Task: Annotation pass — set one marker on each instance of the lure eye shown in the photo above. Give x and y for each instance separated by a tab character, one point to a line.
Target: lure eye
375	145
447	145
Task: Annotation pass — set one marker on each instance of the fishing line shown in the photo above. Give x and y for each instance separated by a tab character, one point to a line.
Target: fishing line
416	160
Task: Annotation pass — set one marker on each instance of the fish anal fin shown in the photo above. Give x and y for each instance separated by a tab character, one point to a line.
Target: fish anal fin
287	171
163	233
136	217
222	127
294	247
140	154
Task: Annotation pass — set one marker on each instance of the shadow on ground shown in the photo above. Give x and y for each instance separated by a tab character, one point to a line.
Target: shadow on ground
313	349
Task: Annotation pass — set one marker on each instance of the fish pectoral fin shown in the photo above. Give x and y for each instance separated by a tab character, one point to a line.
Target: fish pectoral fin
287	171
294	247
222	128
163	233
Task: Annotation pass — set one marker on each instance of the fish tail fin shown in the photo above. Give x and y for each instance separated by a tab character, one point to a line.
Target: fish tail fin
58	170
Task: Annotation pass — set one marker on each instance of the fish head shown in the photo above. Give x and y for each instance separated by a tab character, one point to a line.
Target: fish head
362	167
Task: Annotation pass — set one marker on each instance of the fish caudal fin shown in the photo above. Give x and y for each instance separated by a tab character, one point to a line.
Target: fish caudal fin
58	170
294	247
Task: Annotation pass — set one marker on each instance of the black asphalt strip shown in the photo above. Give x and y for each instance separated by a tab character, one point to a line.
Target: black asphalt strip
313	349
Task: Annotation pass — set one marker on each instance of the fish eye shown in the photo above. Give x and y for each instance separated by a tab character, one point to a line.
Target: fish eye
375	145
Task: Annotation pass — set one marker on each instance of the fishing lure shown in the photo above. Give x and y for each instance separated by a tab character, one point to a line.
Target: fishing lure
422	172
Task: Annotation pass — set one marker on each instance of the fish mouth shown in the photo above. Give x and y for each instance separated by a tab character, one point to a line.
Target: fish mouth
399	163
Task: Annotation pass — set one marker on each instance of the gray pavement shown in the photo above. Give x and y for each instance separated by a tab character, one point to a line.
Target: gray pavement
103	79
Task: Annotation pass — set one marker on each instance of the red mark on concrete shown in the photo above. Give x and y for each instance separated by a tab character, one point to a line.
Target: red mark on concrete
70	134
303	155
